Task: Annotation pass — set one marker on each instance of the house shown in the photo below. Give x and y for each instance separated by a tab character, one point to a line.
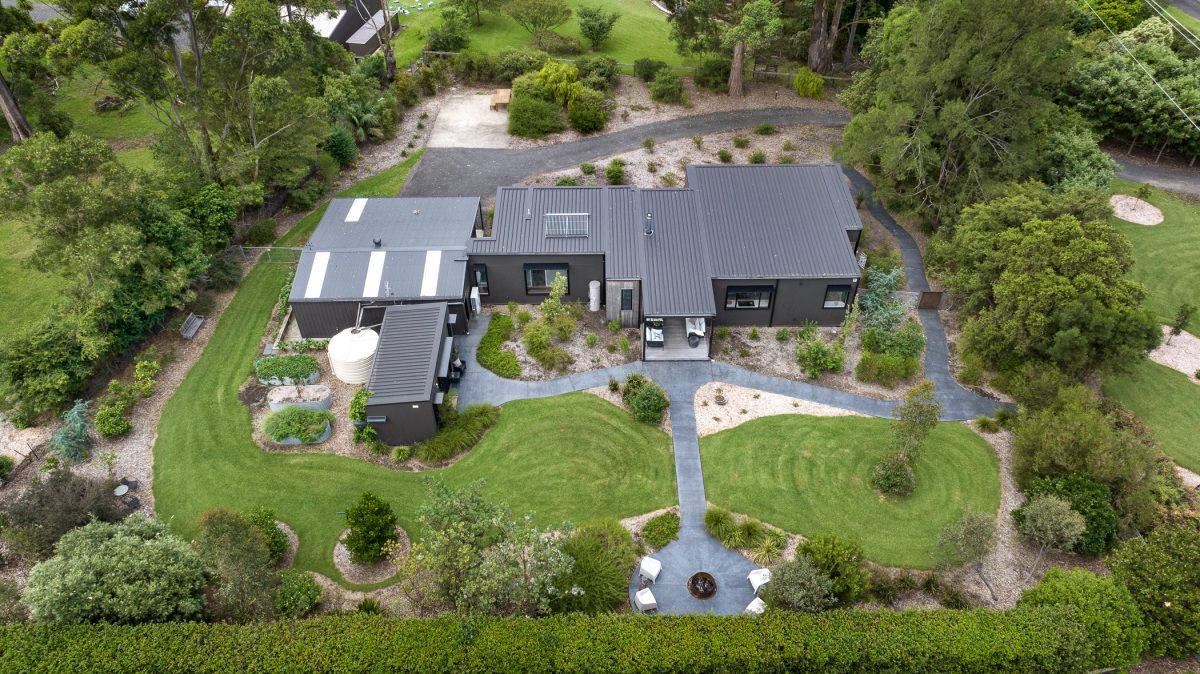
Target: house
740	245
410	372
368	254
360	26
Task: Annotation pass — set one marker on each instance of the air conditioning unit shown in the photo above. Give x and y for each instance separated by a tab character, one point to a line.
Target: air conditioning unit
475	306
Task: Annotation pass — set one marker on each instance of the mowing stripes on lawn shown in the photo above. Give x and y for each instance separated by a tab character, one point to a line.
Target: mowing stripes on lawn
1167	402
811	475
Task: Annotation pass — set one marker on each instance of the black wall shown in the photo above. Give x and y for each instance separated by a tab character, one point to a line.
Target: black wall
506	276
794	302
324	319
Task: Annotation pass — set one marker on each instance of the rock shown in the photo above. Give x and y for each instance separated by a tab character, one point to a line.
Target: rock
317	397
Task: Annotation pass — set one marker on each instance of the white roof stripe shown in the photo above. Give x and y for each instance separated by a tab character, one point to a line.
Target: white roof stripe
374	273
316	278
433	267
356	210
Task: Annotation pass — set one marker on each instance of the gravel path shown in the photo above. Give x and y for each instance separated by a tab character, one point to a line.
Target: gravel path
1182	354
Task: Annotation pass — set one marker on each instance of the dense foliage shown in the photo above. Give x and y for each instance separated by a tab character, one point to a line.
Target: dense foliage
1091	499
294	369
661	530
372	526
800	586
264	519
491	353
459	436
1160	571
842	560
51	506
302	423
603	555
237	555
297	595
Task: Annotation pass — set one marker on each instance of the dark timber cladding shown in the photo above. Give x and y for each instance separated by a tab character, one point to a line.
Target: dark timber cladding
404	375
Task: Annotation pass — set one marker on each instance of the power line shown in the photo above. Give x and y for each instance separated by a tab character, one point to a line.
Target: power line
1175	23
1143	67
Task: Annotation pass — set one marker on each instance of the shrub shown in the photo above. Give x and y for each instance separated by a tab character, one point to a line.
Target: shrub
1105	608
588	110
987	424
566	181
458	437
297	595
401	453
907	341
224	272
758	157
842	561
587	168
667	87
295	367
529	86
134	571
563	45
741	142
725	156
512	63
649	404
306	196
473	66
800	586
646	69
785	159
72	439
1087	497
52	506
491	355
307	425
598	68
754	334
261	233
614	173
782	335
451	34
591	339
341	146
661	530
765	129
816	358
603	554
713	74
530	117
809	84
1161	573
372	527
358	404
633	383
263	519
6	465
885	369
235	551
719	523
893	475
648	144
523	317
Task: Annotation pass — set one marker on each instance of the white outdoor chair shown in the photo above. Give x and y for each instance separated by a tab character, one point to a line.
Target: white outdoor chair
650	568
644	601
758	578
756	607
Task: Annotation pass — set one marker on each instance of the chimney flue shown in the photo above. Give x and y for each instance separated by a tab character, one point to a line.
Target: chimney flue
649	224
378	243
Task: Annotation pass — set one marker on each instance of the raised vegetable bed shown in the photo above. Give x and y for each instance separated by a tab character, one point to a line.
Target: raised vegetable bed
287	370
299	426
317	397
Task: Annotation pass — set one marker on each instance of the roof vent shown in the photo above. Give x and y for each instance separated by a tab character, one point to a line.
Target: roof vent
416	211
648	228
378	243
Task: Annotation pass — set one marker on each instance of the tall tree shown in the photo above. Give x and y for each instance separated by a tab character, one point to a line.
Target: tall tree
1183	316
476	7
823	33
758	26
14	20
538	16
953	98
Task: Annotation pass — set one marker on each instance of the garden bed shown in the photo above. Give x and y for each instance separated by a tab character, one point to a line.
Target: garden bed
743	404
369	573
605	353
316	397
614	397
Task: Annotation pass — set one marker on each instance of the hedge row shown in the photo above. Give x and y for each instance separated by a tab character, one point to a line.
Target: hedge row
1023	640
491	355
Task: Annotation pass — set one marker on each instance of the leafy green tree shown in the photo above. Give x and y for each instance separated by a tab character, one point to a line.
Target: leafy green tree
538	16
24	53
1073	160
372	527
453	33
1161	573
595	24
133	571
460	525
758	25
1052	524
735	27
14	20
236	554
951	102
823	34
519	573
50	507
1183	316
800	586
842	560
1105	608
477	7
916	417
968	540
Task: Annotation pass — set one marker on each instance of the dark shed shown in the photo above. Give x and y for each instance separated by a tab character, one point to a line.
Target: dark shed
409	374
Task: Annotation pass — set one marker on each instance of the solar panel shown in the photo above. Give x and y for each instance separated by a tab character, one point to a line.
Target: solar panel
565	224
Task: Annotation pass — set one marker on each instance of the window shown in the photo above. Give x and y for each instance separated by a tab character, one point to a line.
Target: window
836	297
376	420
748	297
538	277
626	299
481	280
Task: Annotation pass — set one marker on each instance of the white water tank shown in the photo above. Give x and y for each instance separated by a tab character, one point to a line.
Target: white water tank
593	296
351	353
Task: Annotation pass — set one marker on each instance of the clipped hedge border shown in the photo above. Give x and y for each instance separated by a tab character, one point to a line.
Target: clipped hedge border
491	355
1048	639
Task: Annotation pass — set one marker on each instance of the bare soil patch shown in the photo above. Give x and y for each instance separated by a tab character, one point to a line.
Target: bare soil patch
722	406
369	573
1182	354
604	354
1137	211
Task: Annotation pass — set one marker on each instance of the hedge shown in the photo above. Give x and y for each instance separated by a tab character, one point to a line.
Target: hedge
1048	639
491	355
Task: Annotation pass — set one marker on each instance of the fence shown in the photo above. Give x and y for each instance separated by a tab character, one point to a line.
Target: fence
273	254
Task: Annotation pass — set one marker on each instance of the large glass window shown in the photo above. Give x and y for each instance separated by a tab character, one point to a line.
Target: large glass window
748	297
539	276
836	297
481	279
626	299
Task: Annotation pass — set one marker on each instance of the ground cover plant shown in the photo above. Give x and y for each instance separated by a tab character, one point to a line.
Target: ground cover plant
661	530
459	435
276	369
491	353
812	474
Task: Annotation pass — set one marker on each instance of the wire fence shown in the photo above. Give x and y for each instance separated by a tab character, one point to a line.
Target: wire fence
273	254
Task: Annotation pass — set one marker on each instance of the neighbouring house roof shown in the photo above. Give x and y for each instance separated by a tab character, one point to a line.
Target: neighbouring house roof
786	221
420	252
406	359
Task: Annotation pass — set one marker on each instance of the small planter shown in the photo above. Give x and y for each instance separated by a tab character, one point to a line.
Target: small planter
317	397
286	370
298	441
291	381
360	424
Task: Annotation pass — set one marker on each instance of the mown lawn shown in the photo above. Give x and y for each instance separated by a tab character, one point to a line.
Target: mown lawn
77	98
1186	19
1167	402
569	458
25	294
811	475
641	32
1167	255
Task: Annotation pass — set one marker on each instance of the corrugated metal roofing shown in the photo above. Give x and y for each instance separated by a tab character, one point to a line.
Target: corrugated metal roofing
676	280
434	222
785	221
406	359
402	277
519	227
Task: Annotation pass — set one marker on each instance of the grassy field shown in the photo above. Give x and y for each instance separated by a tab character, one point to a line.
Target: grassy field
1186	19
811	475
1168	403
204	457
25	294
641	32
1166	254
77	97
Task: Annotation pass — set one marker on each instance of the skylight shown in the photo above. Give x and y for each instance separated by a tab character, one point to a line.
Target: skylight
565	224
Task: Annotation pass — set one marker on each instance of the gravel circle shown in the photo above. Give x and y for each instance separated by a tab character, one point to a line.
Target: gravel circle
289	557
1182	354
1137	211
368	573
742	404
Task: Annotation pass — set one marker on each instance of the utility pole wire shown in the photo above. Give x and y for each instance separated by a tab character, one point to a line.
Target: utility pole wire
1183	30
1144	68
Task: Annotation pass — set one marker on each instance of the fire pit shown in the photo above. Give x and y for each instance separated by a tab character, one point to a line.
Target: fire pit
702	585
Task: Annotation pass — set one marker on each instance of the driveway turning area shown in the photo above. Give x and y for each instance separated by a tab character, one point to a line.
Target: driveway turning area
469	121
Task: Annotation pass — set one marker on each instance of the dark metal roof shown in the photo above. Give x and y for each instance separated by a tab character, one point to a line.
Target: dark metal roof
406	359
441	222
786	221
403	276
519	228
676	280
